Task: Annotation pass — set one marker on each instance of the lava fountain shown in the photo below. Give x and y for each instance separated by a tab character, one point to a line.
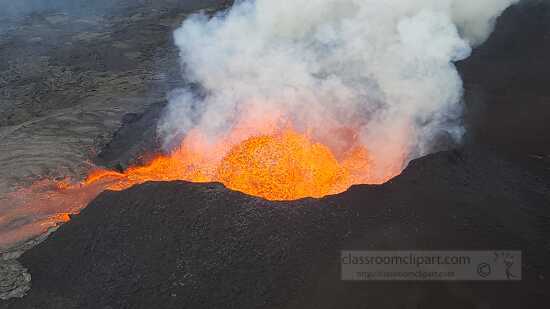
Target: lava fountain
284	165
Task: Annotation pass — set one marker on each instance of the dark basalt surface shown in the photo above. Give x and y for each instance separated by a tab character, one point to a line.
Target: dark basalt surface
56	53
506	84
185	245
81	78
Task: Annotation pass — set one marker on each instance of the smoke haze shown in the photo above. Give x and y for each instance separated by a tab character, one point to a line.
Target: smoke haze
25	7
382	67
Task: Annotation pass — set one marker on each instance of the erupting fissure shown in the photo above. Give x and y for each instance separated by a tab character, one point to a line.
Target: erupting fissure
285	165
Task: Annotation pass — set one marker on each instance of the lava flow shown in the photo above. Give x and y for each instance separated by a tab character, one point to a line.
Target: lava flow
283	166
257	158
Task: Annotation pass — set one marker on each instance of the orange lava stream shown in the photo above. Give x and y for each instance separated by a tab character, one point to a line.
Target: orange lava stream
254	158
282	166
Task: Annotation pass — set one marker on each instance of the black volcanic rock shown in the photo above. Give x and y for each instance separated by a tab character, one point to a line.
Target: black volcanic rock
185	245
506	83
135	142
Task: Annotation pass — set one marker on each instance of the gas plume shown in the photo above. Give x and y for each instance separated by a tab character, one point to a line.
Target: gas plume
384	68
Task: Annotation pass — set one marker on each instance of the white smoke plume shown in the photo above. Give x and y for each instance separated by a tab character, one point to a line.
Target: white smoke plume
383	67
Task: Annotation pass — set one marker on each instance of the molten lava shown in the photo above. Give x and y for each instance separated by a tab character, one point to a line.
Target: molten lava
282	166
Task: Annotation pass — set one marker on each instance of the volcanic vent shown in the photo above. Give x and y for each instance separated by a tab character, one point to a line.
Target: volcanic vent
278	164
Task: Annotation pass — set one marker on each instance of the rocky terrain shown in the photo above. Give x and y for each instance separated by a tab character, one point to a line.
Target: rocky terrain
84	86
507	97
70	77
73	73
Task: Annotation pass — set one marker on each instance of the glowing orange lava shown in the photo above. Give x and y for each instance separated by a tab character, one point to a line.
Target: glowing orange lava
283	166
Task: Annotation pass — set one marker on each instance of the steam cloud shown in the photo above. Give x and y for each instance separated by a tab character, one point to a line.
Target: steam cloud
384	67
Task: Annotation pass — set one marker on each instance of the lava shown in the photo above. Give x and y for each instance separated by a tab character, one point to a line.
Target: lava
286	165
